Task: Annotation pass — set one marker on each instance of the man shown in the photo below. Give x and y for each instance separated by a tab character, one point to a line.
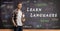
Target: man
18	18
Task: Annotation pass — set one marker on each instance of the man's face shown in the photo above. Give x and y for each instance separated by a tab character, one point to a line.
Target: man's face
20	6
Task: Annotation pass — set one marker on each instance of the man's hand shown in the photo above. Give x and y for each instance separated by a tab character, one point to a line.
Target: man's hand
24	20
15	25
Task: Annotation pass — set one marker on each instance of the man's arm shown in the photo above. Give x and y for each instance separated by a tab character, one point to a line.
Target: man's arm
13	20
23	18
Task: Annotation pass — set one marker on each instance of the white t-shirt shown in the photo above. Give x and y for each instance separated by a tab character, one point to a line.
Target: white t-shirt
18	20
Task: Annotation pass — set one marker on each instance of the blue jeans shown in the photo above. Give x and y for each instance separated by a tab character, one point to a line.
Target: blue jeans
19	28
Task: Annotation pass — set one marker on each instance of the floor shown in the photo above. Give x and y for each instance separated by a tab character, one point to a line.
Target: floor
30	30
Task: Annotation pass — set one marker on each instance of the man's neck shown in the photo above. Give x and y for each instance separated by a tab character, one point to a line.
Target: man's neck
19	9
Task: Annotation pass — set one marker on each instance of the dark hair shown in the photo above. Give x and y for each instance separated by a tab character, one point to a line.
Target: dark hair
16	3
19	2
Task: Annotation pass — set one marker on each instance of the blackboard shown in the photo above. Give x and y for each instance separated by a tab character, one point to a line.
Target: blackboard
42	14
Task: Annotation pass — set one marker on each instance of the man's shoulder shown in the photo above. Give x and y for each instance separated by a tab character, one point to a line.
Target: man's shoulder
14	10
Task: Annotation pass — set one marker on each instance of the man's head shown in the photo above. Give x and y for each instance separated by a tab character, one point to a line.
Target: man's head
19	6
